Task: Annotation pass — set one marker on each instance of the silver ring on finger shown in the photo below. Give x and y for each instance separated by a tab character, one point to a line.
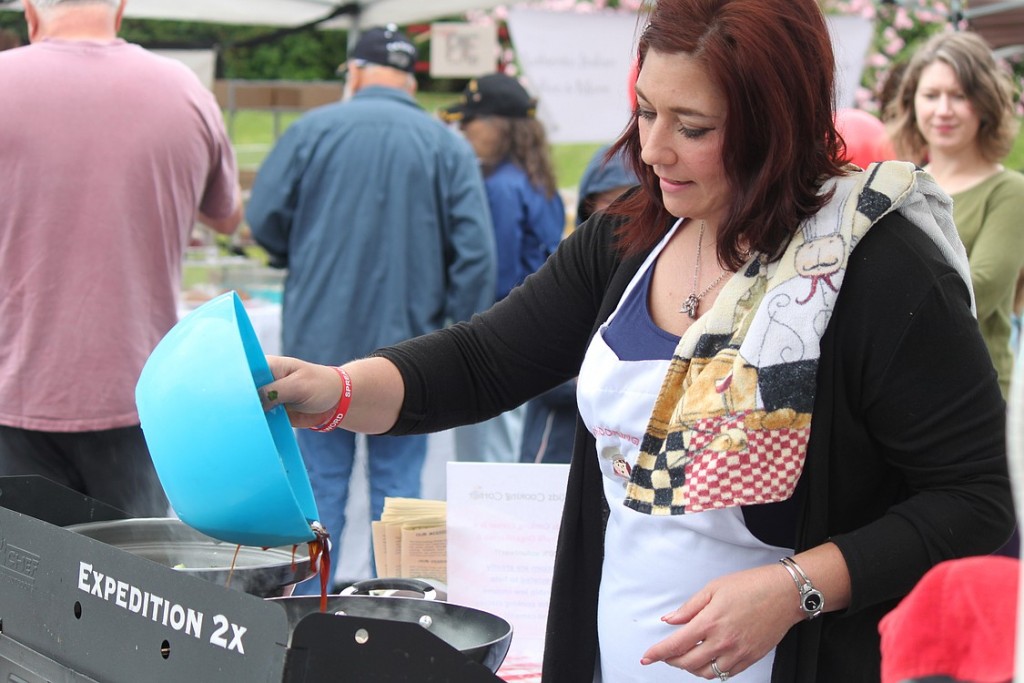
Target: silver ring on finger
722	675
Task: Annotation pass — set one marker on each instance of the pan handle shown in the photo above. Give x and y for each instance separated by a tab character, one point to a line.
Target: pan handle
422	589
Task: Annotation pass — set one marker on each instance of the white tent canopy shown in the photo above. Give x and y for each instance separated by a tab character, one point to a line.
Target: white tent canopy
284	13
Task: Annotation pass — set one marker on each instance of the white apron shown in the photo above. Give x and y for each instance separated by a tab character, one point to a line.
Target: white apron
652	564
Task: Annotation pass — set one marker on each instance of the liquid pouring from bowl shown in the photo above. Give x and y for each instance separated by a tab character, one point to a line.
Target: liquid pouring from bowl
320	558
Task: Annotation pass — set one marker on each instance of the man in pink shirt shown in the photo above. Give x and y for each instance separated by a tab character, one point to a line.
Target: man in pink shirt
109	154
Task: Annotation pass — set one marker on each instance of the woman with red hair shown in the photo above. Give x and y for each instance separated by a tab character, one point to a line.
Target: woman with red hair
786	411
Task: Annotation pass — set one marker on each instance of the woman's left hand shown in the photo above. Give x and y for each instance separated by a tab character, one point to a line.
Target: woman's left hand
309	392
735	620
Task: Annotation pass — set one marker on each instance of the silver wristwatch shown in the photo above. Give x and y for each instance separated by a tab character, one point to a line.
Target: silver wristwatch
812	602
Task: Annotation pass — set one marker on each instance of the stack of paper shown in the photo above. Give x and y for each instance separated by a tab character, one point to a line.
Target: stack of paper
410	540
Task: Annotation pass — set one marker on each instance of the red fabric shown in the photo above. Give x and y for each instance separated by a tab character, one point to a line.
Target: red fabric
959	621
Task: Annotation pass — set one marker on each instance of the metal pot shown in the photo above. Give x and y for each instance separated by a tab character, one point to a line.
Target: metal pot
482	637
264	572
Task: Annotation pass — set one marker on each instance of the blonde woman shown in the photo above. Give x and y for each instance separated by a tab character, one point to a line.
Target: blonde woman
954	112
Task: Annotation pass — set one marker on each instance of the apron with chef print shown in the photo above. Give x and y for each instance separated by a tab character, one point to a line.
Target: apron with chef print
680	554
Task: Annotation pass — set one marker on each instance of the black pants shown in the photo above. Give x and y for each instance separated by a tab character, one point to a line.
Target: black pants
112	466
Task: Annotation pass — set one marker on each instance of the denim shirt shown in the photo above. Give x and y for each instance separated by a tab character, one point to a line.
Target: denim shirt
379	212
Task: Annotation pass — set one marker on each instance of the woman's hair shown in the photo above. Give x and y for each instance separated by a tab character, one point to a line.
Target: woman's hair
986	86
889	89
524	142
773	61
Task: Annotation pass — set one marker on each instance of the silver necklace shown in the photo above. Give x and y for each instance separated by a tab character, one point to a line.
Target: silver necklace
692	302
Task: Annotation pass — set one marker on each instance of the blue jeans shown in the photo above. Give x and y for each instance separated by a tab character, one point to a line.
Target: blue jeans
395	465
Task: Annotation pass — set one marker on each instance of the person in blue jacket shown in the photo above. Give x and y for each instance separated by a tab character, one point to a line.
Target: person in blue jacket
498	117
379	212
550	423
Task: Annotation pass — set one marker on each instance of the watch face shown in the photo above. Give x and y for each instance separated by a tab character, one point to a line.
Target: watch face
813	602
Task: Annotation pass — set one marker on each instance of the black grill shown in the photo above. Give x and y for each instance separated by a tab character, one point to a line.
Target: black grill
73	609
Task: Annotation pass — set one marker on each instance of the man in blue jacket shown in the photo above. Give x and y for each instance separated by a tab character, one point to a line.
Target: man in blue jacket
379	212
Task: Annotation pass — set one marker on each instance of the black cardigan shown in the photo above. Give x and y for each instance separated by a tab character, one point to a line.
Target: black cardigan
906	463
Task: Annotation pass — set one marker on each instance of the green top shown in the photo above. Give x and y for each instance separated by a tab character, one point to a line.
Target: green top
990	220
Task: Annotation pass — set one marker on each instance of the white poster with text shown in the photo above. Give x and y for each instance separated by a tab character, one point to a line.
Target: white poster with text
460	50
502	530
578	66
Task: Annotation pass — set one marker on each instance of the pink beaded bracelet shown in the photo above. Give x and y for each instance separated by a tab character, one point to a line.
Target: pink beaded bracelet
343	403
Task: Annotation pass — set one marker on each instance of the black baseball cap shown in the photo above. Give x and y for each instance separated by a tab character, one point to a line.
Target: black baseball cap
385	46
492	95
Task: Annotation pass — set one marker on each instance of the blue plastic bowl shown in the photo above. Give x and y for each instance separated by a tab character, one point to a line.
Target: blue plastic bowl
230	469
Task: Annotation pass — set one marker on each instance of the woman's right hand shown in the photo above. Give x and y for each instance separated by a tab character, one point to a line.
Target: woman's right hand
308	392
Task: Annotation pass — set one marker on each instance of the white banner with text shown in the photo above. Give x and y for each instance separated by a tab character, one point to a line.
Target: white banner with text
502	529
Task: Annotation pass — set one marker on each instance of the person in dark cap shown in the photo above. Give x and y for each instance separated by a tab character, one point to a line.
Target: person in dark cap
379	212
381	46
498	117
496	94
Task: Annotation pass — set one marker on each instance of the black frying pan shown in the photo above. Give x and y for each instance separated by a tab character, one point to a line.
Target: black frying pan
480	636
